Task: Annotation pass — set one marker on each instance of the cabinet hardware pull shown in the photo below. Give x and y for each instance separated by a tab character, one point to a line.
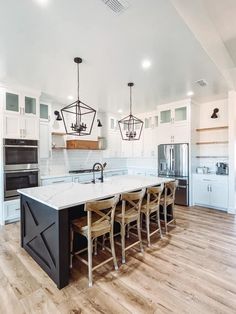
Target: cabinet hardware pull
58	181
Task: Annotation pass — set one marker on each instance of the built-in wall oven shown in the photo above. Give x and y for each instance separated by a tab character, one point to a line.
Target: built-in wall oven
20	165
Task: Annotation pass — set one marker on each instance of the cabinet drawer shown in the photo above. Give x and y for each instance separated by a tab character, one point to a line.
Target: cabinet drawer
11	210
56	180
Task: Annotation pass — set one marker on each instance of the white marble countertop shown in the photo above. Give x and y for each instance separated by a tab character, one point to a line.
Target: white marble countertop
67	195
67	174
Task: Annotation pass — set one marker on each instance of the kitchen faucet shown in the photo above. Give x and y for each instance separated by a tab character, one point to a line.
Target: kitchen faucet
99	167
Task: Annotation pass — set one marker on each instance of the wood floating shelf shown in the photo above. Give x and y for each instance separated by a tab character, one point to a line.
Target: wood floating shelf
212	157
59	133
80	144
213	129
216	142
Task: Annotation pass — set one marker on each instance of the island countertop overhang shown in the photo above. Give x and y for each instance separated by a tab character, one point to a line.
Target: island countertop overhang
67	195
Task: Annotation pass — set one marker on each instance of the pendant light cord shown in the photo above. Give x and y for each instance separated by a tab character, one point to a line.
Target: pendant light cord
130	100
78	79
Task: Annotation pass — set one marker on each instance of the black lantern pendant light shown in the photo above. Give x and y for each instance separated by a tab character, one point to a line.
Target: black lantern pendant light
130	126
78	117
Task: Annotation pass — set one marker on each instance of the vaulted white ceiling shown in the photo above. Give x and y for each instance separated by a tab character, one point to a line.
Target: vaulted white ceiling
38	44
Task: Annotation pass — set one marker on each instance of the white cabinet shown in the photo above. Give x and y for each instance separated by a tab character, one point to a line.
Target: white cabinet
114	173
20	116
44	140
12	126
175	113
11	210
211	191
56	180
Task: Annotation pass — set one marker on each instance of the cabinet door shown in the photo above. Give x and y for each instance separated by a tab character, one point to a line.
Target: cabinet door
219	195
180	114
165	116
12	126
201	192
12	102
44	140
180	134
44	112
165	135
31	128
30	107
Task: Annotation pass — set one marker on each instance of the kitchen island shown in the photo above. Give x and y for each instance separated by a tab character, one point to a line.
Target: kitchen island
46	213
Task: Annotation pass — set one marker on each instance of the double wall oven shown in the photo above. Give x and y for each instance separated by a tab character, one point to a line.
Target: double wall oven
20	166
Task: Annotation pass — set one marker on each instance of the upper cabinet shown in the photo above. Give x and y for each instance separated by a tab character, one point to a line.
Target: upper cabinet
175	113
44	111
20	115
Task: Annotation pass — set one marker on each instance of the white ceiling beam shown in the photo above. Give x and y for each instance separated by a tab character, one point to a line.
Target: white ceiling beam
195	16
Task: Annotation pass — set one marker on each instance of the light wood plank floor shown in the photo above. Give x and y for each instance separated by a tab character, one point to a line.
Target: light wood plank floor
192	270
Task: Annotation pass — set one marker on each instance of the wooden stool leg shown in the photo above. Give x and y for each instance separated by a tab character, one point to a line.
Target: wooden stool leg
90	261
123	242
71	246
148	229
128	228
141	223
159	223
96	246
139	234
165	217
113	250
103	242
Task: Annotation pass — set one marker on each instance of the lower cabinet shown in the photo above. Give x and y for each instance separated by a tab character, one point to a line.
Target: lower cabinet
11	210
56	180
210	191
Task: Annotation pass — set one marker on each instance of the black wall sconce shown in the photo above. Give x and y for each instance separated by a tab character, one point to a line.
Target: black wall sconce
99	123
58	116
214	114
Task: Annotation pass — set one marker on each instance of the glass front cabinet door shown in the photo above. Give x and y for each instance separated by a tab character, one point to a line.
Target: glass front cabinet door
165	116
12	102
180	114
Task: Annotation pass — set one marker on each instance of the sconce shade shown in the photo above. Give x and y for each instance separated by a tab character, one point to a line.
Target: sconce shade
58	116
99	123
214	114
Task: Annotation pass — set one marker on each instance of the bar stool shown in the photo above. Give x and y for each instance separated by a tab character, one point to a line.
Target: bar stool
168	201
99	221
152	205
128	213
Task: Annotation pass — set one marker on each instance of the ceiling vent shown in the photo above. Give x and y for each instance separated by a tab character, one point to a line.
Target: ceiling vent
117	6
202	83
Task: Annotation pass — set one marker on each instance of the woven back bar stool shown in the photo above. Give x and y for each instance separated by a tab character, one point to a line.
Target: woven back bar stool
150	206
98	222
129	212
168	201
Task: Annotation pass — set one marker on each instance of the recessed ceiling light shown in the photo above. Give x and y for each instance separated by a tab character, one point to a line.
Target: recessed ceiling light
146	64
43	3
190	93
120	111
70	97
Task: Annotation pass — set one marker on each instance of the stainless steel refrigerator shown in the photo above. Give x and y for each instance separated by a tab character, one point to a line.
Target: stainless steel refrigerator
173	161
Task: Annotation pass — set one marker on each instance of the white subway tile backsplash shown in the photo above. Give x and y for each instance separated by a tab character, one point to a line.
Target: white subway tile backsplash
62	161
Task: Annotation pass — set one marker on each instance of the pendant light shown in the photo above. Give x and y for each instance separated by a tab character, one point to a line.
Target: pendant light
130	126
78	117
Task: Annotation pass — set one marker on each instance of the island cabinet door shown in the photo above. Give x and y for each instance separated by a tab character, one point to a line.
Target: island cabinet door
45	236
